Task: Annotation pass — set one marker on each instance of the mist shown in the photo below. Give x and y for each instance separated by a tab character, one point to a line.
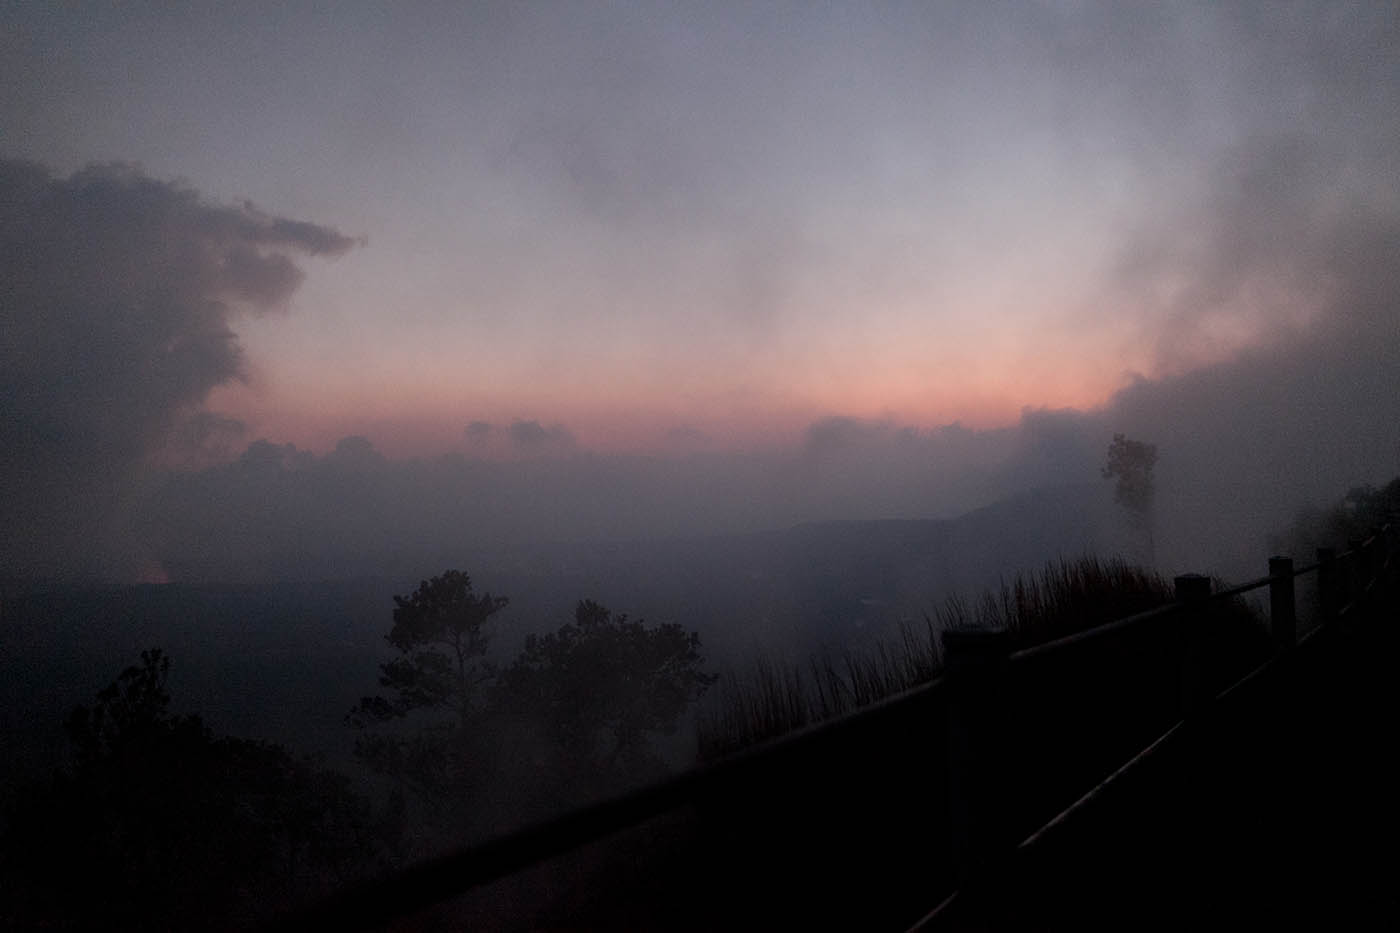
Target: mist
702	341
1308	409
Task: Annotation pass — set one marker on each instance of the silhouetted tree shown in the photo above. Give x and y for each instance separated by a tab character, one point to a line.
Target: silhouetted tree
439	631
440	634
573	714
1131	463
603	686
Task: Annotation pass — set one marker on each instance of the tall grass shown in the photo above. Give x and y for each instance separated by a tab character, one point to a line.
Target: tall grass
1066	596
772	698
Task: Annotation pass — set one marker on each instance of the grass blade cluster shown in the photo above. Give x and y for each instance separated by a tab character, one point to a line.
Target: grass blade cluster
772	698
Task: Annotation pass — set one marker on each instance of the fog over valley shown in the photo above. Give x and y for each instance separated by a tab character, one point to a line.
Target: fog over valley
478	396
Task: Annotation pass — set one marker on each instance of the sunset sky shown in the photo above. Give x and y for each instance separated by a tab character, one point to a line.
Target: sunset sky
669	226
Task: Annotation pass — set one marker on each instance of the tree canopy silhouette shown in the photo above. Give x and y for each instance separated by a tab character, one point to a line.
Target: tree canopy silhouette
603	684
439	631
574	713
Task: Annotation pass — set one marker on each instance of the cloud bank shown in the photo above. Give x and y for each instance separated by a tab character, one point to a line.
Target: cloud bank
1253	256
117	297
1304	403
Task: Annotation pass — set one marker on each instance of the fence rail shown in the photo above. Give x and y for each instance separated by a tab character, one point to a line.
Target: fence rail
975	666
1346	584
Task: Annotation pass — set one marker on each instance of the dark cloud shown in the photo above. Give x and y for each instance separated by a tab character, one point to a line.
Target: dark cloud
307	237
687	435
533	436
117	292
263	454
202	439
356	453
478	431
839	432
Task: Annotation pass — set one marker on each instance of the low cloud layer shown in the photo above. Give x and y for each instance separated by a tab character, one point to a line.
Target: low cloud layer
1305	402
1271	294
520	438
533	436
117	296
1244	444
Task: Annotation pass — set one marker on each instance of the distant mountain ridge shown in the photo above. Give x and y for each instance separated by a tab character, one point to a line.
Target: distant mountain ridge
816	582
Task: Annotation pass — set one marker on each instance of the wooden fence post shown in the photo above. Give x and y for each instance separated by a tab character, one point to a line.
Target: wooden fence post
975	674
1328	599
1193	589
1283	609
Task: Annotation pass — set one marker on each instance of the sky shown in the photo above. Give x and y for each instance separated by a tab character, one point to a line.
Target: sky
707	244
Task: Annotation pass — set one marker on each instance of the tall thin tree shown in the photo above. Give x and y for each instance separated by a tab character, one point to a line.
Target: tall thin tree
1131	463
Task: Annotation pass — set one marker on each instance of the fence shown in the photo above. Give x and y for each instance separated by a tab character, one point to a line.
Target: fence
1347	585
982	676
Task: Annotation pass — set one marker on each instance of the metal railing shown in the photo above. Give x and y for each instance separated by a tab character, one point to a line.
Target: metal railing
973	661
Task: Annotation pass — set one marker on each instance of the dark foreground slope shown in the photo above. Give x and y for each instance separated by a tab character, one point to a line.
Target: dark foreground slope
1279	812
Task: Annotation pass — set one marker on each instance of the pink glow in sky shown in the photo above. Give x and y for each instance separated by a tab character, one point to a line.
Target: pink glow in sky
718	225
